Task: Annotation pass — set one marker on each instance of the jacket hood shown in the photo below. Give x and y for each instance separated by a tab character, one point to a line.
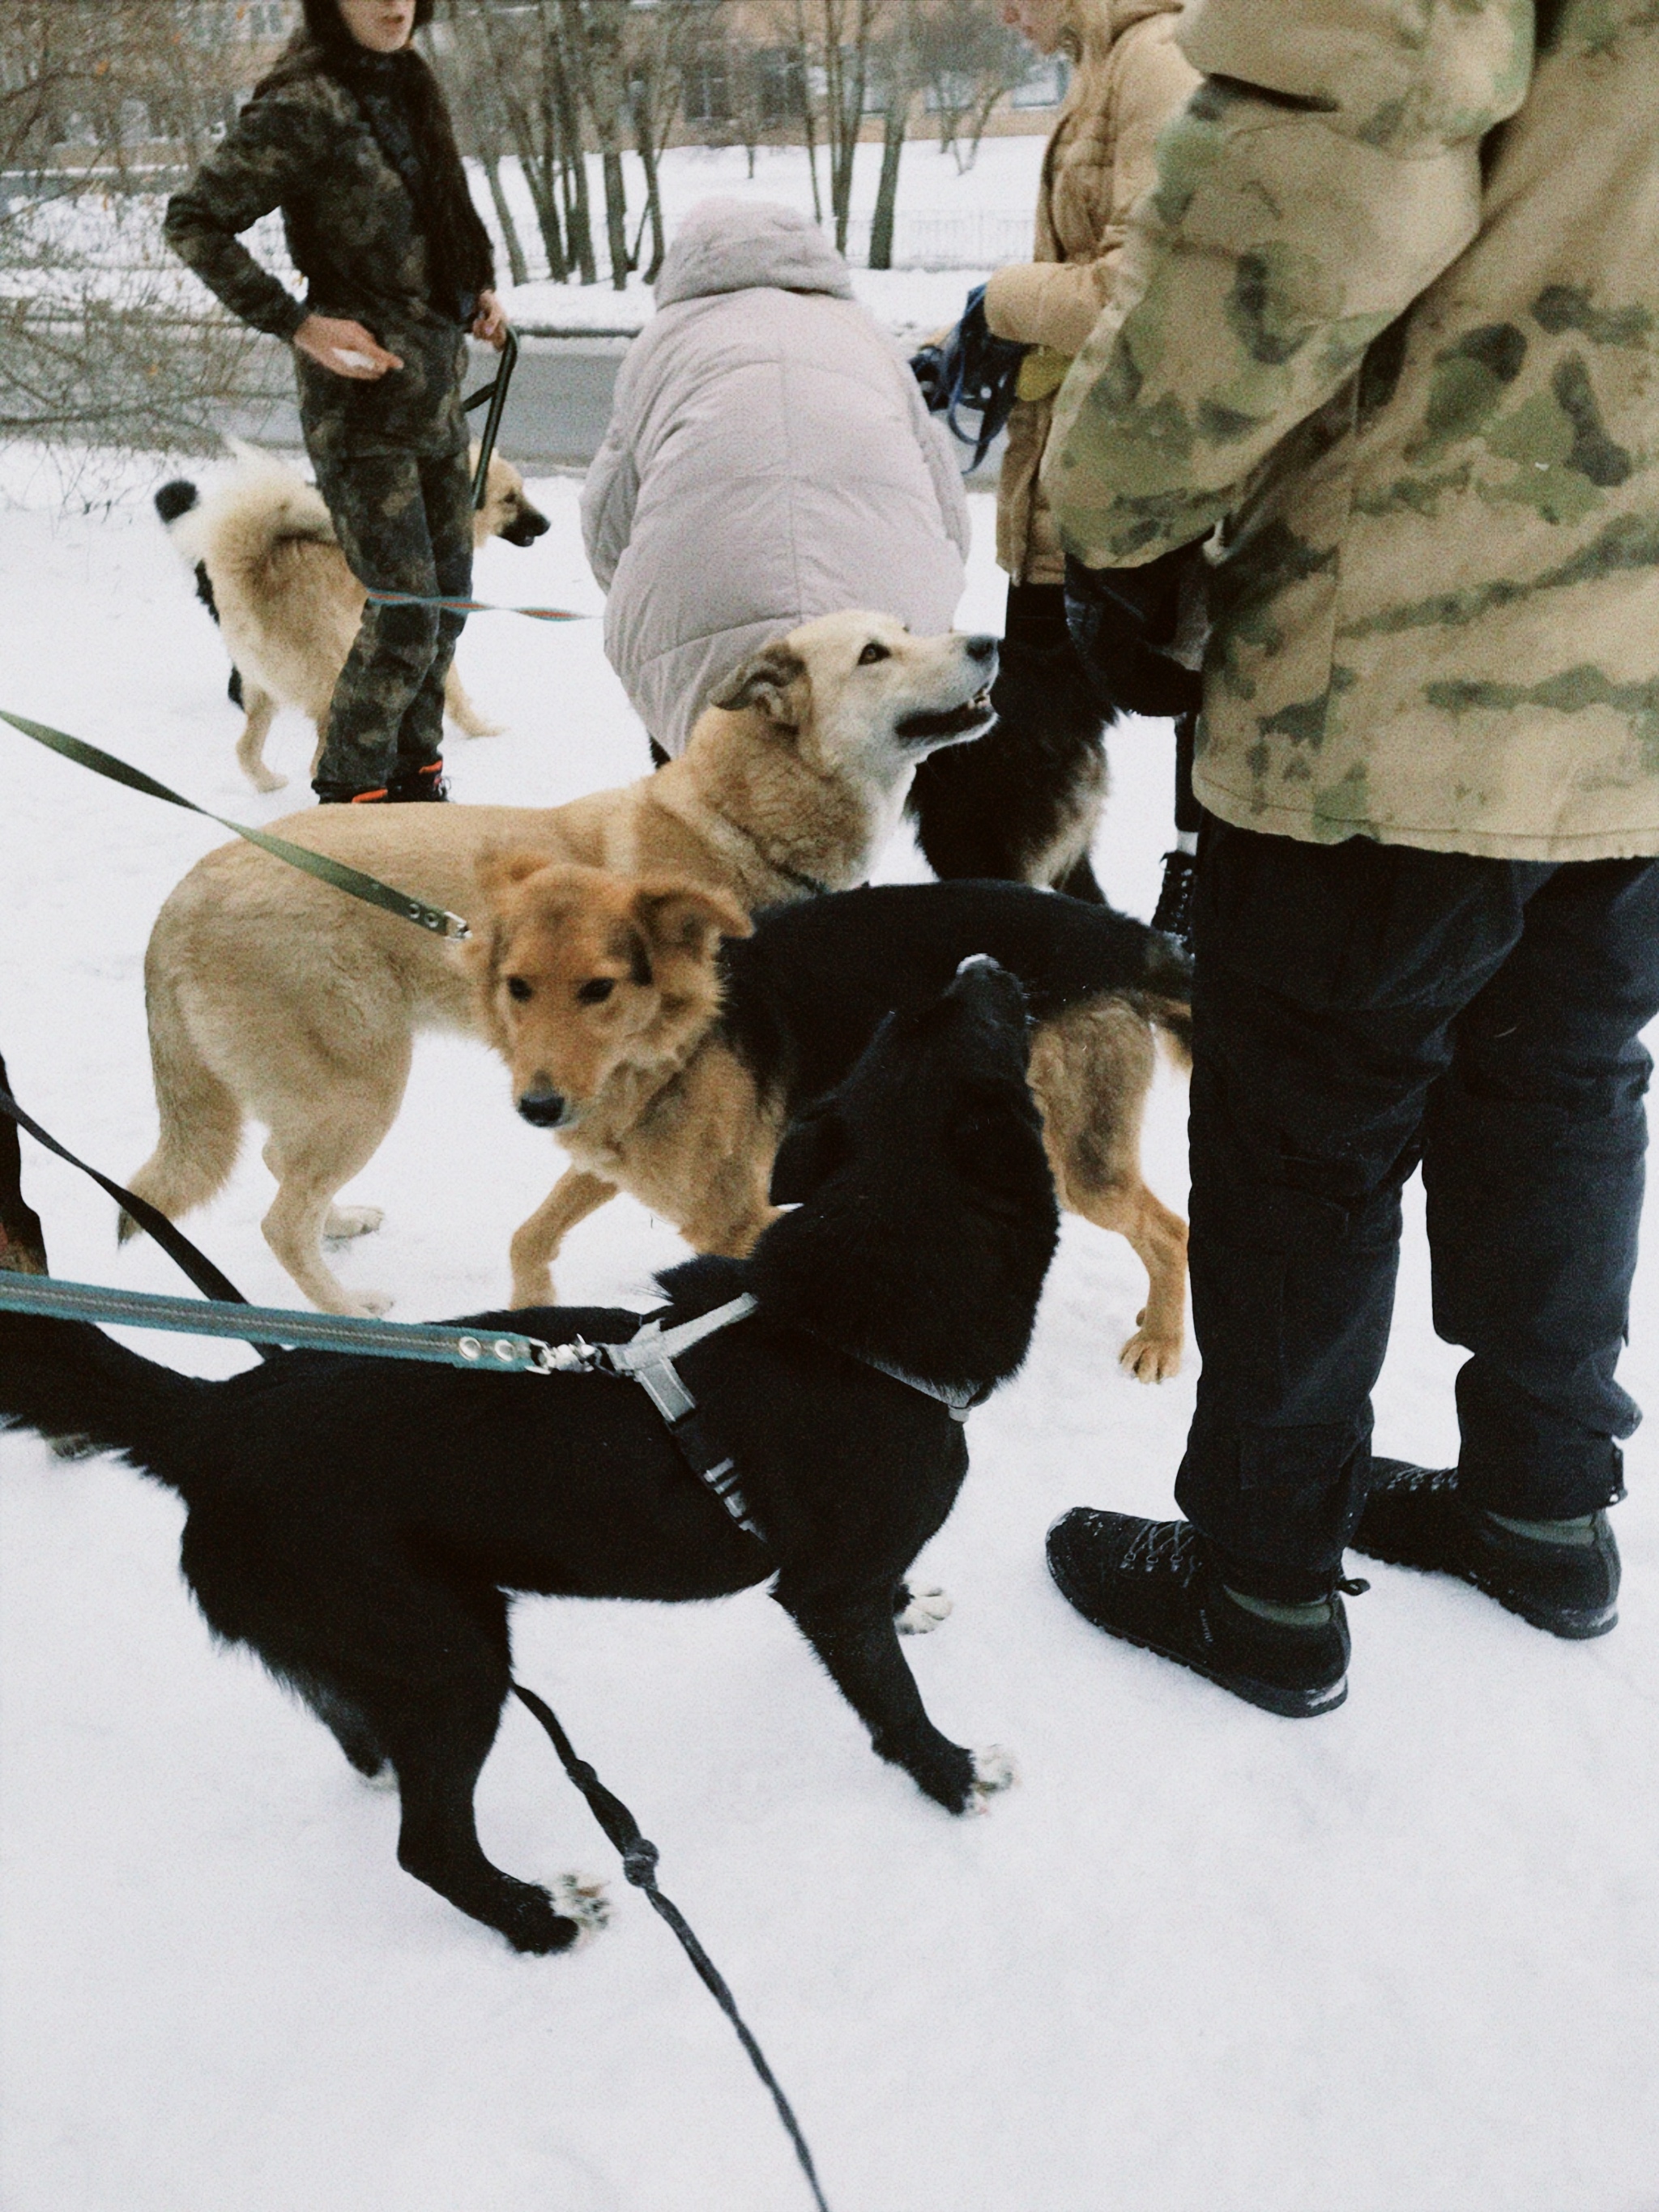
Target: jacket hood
1097	24
728	246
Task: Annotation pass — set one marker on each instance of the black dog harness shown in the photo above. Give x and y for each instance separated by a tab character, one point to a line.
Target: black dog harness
648	1357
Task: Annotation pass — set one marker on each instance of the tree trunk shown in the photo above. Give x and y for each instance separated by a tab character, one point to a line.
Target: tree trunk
22	1245
645	138
518	266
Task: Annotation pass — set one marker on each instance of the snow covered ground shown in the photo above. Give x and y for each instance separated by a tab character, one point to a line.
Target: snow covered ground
1405	1959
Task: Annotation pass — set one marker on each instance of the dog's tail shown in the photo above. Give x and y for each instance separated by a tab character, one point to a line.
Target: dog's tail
65	1378
176	498
201	1116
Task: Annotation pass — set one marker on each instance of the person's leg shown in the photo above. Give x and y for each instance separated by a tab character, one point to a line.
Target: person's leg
1021	803
1329	979
1533	1160
447	496
378	505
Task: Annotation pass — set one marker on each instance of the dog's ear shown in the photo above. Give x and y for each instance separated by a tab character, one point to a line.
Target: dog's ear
685	918
764	680
498	868
812	1149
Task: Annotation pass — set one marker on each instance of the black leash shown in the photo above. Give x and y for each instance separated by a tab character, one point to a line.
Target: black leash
211	1281
495	392
513	1354
639	1858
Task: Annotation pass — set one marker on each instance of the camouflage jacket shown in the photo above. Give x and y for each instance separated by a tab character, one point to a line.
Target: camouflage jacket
353	234
1388	326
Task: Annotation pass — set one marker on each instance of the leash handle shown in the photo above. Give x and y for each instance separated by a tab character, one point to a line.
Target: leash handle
639	1857
437	919
495	392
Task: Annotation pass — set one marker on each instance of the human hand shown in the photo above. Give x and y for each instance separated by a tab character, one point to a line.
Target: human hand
490	321
344	348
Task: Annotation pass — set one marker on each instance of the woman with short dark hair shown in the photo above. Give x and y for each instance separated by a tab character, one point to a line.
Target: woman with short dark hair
349	137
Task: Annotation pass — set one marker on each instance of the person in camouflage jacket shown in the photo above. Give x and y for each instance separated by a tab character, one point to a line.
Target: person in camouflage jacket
1385	342
348	137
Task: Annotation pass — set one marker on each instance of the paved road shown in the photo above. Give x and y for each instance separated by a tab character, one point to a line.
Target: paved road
557	411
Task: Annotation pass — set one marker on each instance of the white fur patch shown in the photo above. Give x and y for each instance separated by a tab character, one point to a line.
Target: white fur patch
581	1898
926	1609
993	1771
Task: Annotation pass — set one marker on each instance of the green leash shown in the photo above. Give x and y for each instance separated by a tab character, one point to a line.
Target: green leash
439	1343
437	919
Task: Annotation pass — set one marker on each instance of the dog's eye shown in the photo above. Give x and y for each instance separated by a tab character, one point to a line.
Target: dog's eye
595	993
872	654
516	988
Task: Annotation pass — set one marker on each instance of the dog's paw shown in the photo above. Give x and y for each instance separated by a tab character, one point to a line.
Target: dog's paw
348	1221
994	1771
372	1305
482	729
926	1609
264	778
1151	1358
383	1780
581	1897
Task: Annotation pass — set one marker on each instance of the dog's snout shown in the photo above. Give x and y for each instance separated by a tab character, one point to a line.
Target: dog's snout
987	983
982	649
543	1106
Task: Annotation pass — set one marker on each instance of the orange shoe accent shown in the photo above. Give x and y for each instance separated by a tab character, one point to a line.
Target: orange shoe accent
366	798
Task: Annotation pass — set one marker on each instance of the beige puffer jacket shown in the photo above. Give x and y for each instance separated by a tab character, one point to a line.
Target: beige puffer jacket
1130	78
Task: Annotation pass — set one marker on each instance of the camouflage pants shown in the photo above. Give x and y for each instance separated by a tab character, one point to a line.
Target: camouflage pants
405	523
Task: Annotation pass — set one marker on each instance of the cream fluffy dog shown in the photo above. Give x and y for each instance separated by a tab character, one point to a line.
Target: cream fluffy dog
274	996
284	597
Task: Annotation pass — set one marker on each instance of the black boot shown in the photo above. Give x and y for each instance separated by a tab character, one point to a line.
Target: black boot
1173	914
1562	1575
330	794
417	784
1154	1583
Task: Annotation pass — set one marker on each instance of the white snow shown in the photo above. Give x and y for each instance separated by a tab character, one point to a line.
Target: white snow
1404	1958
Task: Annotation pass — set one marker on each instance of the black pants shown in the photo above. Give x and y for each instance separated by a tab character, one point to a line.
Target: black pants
1018	803
405	523
1360	1007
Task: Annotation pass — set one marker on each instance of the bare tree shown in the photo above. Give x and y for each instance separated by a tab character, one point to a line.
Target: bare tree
899	62
969	60
105	341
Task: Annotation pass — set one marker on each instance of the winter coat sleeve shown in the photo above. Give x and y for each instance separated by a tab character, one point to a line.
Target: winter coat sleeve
610	494
1322	178
260	165
1057	303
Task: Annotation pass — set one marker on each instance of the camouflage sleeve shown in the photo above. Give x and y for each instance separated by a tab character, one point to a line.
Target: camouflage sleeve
258	166
1325	173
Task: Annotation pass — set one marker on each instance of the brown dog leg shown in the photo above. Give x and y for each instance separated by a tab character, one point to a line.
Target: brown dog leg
536	1243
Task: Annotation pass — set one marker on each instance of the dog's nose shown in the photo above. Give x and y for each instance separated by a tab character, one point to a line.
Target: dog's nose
541	1105
982	648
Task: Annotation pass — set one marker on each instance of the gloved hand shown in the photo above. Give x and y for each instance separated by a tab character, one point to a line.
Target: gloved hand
1123	624
970	371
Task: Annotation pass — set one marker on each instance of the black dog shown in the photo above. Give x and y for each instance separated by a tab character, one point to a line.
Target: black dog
358	1522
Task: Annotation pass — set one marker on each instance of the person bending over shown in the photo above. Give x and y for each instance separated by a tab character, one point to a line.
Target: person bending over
1386	328
349	137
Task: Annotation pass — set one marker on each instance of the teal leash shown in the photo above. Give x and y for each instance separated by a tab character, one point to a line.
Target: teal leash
336	873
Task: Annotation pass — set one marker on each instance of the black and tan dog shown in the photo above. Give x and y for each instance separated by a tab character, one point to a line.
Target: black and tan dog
359	1522
671	1070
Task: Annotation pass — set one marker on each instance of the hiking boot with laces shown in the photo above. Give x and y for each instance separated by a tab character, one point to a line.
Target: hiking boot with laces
1154	1583
1562	1575
1173	914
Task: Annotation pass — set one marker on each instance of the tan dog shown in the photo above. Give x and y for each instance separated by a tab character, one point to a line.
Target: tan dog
275	997
286	602
603	997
